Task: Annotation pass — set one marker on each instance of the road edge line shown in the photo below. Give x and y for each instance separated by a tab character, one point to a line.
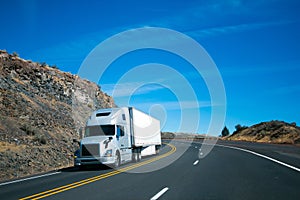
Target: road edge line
29	178
262	156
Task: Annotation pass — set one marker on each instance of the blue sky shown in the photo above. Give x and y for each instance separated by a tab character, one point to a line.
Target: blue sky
254	44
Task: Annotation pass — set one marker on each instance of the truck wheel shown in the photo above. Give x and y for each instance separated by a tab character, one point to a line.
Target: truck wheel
81	167
117	161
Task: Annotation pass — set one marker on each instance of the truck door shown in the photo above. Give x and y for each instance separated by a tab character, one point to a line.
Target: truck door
123	143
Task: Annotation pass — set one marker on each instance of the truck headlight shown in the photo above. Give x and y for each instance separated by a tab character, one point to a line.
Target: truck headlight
108	153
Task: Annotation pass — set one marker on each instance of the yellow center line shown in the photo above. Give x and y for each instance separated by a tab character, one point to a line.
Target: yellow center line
96	178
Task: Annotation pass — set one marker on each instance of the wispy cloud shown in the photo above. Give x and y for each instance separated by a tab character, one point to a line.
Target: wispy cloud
224	17
71	53
173	105
177	105
288	67
233	28
202	20
128	89
290	90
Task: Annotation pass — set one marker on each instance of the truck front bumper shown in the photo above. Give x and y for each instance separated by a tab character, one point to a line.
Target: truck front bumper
94	161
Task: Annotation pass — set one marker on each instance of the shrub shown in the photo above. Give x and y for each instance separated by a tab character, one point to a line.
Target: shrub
238	127
29	130
43	64
41	138
54	66
15	54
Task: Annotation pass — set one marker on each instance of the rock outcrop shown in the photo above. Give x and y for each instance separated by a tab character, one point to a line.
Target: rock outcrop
41	111
271	132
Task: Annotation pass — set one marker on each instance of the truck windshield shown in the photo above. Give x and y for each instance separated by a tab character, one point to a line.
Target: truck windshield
99	130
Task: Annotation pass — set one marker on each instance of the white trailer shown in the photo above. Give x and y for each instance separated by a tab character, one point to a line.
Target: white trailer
118	135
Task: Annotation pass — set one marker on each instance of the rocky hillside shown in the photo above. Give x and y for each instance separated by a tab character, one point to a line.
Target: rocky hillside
271	132
41	110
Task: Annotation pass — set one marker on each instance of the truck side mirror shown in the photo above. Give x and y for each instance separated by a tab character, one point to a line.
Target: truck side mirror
77	141
80	132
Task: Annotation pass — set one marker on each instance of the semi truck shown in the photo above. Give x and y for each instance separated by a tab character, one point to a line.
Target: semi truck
115	136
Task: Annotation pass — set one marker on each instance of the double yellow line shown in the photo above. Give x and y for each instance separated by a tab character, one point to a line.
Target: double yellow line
96	178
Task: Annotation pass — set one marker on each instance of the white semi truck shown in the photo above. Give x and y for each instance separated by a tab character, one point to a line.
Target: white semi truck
118	135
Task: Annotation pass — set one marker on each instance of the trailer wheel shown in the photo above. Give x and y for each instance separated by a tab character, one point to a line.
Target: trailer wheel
136	155
139	156
157	151
157	148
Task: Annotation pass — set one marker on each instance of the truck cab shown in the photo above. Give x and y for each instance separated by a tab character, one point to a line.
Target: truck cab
114	136
106	139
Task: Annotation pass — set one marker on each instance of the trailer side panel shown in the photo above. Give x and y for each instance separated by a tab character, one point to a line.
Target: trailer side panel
146	129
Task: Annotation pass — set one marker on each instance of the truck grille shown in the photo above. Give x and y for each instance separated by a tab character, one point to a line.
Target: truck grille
90	150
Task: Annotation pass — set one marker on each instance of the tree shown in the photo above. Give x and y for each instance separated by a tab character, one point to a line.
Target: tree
225	132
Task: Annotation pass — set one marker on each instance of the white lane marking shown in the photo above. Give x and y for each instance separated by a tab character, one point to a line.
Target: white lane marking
25	179
261	155
196	162
200	153
155	197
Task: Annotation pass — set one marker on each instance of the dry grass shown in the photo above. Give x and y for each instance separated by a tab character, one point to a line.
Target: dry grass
29	100
6	146
18	81
289	136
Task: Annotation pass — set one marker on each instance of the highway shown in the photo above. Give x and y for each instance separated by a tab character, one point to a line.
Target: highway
227	172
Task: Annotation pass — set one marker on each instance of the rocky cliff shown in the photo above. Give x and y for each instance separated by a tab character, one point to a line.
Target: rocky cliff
41	110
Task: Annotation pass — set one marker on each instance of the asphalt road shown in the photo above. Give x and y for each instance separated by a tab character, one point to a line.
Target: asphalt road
177	173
